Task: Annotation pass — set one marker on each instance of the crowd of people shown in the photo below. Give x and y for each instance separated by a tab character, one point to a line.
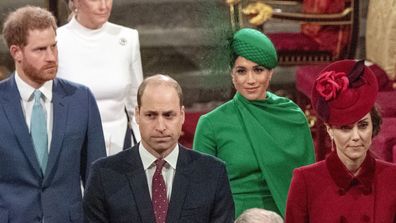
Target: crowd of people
76	112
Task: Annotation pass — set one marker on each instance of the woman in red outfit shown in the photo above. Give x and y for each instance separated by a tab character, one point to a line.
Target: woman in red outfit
350	185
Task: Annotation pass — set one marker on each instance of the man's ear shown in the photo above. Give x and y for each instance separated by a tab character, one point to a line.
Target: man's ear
183	113
137	115
16	53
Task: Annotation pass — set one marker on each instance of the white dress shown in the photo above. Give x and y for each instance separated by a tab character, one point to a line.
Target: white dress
107	60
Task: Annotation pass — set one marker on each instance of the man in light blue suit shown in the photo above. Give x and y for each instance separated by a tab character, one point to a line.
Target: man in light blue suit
41	173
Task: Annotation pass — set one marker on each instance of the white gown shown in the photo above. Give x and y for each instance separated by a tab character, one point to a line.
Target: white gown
107	60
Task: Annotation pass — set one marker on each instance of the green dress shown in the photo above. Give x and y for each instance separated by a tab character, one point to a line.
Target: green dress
261	143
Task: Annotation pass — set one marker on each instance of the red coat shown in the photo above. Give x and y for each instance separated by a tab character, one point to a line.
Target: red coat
327	192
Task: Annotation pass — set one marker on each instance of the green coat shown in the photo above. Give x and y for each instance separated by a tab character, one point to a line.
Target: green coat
261	143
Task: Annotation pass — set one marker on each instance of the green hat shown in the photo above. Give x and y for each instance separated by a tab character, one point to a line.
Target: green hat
254	46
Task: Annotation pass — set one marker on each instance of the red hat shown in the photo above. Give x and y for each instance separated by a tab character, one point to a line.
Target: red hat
344	92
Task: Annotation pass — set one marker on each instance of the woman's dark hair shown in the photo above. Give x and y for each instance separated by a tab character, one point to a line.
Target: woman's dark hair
376	119
232	55
233	58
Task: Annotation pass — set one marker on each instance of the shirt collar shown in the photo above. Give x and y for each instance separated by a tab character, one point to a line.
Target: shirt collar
26	91
345	180
148	158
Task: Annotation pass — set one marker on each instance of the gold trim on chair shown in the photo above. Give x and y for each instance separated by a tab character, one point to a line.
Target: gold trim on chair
235	8
258	12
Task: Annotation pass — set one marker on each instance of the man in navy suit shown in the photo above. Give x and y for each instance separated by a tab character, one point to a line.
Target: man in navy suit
126	187
41	174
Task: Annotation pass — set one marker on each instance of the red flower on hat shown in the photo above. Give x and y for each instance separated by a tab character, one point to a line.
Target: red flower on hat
330	84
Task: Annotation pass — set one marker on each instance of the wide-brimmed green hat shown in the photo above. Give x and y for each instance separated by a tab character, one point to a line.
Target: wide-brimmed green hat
254	46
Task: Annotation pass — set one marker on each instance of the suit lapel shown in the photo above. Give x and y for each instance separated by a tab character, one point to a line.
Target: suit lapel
13	110
180	185
60	106
138	183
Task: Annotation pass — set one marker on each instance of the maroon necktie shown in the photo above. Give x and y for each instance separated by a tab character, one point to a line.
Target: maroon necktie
159	198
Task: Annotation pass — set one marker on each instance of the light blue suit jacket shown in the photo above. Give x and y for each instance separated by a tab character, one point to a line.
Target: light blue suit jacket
26	195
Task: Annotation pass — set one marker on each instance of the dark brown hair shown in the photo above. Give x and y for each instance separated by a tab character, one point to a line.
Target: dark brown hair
376	119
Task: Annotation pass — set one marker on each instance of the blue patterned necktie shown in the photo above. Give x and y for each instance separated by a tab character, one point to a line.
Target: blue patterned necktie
38	131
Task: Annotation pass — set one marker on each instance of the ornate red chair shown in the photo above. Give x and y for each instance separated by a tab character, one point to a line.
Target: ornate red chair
384	145
188	129
329	28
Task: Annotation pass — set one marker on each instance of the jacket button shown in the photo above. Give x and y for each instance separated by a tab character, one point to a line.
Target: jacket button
365	218
341	191
343	219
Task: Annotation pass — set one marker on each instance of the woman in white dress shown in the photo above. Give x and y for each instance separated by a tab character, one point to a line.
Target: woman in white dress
106	58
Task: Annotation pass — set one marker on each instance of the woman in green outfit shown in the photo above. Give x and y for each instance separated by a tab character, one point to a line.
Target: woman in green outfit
261	137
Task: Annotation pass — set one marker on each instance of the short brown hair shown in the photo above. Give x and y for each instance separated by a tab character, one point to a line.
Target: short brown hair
159	79
19	22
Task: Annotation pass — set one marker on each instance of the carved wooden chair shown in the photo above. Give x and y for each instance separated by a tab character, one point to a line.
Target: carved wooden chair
326	34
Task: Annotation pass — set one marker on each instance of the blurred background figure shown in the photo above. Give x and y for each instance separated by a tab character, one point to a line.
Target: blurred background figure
349	185
4	72
106	58
258	215
261	137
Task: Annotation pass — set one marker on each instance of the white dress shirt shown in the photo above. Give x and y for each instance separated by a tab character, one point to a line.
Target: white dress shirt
27	102
168	171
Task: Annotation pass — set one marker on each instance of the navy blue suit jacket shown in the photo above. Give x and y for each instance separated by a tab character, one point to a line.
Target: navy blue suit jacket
117	190
26	195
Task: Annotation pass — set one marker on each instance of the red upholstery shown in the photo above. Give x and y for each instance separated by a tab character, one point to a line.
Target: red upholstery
329	38
315	39
386	102
384	144
394	153
384	83
188	129
286	42
305	78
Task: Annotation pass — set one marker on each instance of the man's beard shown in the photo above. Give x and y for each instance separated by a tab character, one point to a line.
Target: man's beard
40	75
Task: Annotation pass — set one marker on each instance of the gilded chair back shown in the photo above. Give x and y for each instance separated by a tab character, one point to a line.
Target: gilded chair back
326	35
